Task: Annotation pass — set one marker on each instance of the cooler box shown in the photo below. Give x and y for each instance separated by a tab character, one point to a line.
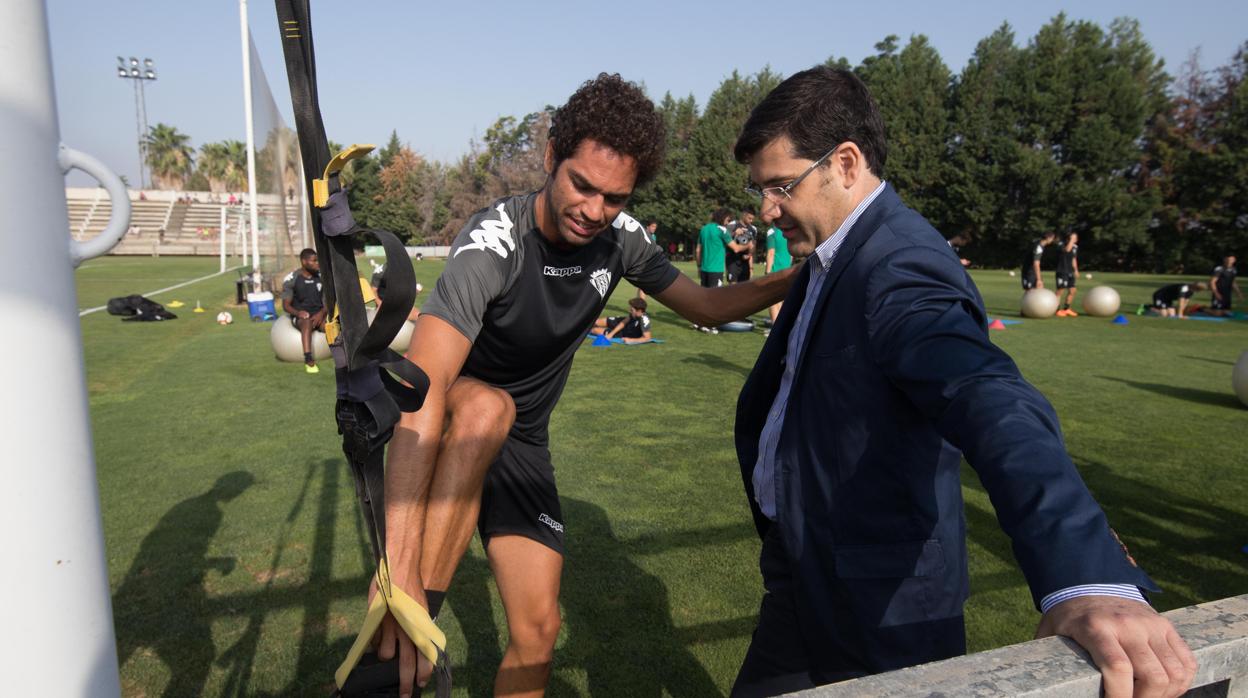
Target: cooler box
260	306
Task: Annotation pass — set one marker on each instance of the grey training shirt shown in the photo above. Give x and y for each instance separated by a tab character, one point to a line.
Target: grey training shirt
527	305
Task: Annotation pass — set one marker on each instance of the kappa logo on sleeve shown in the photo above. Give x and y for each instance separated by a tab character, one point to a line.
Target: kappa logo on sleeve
554	525
492	235
601	281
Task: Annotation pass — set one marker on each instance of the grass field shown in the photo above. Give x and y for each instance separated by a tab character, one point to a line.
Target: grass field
239	563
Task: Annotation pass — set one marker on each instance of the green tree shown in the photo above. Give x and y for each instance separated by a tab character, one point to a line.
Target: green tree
169	155
912	90
224	164
674	198
721	179
984	148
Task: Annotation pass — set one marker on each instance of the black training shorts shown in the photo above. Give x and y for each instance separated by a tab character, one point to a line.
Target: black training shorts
1223	303
520	497
1066	280
1029	280
711	279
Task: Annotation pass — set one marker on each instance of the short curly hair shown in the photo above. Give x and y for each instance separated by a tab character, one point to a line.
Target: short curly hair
617	114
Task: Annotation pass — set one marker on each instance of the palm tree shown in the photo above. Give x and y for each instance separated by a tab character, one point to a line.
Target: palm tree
169	155
224	164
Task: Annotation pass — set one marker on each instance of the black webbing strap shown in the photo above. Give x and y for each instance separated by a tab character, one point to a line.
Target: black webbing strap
370	396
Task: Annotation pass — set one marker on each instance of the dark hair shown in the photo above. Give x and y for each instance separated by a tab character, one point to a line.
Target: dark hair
818	109
637	304
617	114
650	222
748	209
306	254
720	214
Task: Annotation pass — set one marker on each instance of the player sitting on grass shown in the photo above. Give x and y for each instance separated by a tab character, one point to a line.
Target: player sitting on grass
633	328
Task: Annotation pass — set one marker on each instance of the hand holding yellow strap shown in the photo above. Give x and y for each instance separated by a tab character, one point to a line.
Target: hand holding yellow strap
412	617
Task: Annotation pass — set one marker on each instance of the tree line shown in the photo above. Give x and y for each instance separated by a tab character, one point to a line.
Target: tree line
1080	128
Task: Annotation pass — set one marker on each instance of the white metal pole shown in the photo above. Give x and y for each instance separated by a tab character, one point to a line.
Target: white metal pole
242	232
251	139
57	617
221	234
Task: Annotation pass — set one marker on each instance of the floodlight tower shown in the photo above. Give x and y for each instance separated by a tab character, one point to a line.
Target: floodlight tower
139	73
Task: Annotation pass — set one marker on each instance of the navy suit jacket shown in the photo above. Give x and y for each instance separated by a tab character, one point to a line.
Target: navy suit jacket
897	380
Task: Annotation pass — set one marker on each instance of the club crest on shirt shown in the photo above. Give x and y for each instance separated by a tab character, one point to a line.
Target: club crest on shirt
492	235
601	281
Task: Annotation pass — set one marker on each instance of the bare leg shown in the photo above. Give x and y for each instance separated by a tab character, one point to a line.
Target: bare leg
305	334
774	311
478	418
527	574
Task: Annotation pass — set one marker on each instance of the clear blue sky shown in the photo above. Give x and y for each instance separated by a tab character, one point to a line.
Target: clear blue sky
441	72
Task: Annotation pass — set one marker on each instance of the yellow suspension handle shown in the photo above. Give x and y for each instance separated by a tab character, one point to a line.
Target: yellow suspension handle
320	187
412	617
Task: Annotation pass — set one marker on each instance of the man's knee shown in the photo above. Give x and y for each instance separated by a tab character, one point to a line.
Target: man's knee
533	636
480	410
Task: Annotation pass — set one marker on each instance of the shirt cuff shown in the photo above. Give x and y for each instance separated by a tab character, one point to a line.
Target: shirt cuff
1122	591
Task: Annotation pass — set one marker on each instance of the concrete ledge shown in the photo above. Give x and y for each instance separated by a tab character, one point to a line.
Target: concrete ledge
1216	631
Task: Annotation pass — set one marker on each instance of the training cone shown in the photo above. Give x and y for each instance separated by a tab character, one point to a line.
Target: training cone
996	325
601	341
198	308
1119	319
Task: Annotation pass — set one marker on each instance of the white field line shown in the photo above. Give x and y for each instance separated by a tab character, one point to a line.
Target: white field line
88	311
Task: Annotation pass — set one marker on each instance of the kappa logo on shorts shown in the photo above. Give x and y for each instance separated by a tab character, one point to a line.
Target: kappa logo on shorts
561	271
491	235
555	525
601	281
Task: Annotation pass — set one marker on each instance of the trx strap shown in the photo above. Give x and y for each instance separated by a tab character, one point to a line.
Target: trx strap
370	398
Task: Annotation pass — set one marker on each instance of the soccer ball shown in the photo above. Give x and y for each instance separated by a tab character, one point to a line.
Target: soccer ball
419	288
1011	273
1087	276
224	318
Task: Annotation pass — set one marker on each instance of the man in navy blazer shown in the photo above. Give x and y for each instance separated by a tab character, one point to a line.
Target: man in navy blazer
876	379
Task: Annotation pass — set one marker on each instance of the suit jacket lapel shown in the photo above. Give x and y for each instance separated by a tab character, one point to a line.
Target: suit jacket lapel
861	231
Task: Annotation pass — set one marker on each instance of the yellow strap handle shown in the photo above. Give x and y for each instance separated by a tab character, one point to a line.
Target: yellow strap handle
320	187
412	617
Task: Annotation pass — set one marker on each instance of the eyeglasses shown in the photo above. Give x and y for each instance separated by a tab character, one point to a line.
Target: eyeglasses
779	195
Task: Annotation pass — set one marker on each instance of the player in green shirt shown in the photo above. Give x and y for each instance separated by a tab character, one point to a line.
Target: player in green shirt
710	252
778	259
713	240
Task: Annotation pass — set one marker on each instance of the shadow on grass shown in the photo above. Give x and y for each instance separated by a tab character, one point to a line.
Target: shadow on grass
618	620
618	625
159	606
1176	539
1212	361
717	362
1204	397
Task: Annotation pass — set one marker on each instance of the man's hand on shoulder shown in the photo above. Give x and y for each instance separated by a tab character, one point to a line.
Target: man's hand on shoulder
1137	650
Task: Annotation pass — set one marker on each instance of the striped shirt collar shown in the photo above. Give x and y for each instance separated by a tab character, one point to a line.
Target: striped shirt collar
826	251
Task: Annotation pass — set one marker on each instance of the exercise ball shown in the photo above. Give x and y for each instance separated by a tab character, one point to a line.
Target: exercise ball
1239	378
403	339
1039	303
1101	301
288	344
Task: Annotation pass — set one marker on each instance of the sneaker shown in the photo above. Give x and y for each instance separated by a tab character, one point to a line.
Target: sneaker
767	332
714	330
1062	313
705	329
311	368
1070	312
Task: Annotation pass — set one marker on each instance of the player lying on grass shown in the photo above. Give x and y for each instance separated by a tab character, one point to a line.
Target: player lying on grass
633	328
